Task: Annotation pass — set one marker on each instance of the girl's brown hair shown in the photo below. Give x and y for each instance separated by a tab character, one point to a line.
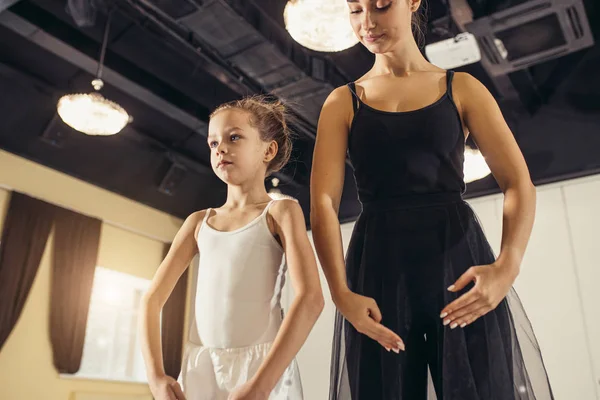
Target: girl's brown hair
269	118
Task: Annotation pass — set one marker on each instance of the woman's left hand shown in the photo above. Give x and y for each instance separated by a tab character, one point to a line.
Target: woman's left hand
492	283
249	391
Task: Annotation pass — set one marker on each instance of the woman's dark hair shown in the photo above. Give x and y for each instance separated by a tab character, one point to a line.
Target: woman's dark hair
269	118
419	23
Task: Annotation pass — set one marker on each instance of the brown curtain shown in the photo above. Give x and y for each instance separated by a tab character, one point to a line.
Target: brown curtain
26	230
76	239
173	321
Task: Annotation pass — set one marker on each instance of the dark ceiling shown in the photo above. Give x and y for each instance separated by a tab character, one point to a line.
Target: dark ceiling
170	62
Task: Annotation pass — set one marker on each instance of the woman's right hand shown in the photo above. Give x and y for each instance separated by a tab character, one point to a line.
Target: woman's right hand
166	388
364	314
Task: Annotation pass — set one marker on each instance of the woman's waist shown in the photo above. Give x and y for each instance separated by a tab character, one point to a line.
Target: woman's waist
410	201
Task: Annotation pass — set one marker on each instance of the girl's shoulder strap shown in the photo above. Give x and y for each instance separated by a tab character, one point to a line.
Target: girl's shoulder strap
206	215
199	229
269	204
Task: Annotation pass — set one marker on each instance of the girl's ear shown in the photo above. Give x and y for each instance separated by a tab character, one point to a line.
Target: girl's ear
271	151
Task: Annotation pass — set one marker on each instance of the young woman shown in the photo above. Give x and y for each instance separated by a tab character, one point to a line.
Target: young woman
421	289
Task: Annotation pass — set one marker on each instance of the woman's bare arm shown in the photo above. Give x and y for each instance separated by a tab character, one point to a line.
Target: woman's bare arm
485	122
326	185
327	181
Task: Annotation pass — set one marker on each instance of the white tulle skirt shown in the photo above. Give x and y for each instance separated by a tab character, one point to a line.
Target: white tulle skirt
213	373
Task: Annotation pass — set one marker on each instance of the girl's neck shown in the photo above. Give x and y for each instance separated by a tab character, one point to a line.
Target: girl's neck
246	195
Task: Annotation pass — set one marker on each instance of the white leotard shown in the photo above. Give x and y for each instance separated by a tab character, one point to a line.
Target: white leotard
240	278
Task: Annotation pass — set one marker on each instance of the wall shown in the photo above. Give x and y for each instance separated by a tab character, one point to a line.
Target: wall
559	280
25	176
558	286
131	243
314	358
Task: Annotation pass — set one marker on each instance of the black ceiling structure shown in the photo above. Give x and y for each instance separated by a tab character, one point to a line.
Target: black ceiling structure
170	62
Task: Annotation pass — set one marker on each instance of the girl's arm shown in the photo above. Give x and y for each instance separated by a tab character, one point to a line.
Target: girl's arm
327	181
308	301
485	122
177	260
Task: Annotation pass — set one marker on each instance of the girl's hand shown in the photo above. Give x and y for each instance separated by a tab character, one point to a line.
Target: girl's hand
362	312
166	388
492	283
249	391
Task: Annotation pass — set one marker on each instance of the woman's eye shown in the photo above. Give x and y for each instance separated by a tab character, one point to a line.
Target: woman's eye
384	7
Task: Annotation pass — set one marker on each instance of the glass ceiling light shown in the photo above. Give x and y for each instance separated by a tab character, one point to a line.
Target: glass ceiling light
91	113
320	25
475	167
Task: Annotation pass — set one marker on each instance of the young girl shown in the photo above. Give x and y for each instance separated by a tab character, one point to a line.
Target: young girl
241	348
421	289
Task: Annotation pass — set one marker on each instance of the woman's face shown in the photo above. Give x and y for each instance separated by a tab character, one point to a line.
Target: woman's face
381	24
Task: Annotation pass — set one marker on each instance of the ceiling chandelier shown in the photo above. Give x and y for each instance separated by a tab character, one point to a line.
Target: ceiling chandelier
475	167
320	25
91	113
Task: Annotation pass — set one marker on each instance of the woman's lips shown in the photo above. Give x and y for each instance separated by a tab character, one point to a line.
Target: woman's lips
372	38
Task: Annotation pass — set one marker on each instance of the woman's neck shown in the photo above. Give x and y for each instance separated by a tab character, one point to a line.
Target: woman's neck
401	61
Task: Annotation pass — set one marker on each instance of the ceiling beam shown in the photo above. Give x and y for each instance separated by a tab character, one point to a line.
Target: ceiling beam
214	63
71	54
67	52
25	78
217	66
211	61
4	4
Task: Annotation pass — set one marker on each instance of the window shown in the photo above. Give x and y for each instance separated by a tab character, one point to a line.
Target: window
111	349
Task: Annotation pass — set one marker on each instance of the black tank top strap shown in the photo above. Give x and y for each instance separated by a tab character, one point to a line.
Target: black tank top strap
449	76
355	100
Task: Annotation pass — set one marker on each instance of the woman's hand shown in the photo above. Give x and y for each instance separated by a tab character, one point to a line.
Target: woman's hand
362	312
492	283
249	391
166	388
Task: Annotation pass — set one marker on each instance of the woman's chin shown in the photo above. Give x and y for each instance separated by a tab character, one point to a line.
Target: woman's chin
376	47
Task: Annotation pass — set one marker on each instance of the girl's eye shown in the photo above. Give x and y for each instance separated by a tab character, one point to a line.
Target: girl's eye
235	137
212	144
355	11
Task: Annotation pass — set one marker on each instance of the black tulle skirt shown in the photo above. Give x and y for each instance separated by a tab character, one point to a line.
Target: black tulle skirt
405	254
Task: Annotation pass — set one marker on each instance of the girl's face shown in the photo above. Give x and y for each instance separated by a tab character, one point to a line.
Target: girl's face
237	152
381	24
